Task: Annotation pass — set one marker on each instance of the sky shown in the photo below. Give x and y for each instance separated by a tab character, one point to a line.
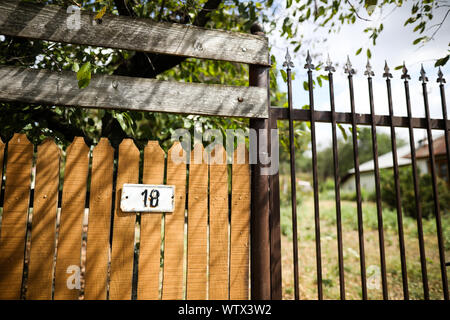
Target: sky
394	44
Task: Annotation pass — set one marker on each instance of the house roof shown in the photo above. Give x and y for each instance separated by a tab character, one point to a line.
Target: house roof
386	161
438	146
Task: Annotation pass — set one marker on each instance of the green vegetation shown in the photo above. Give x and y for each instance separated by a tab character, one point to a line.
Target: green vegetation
282	19
307	259
407	191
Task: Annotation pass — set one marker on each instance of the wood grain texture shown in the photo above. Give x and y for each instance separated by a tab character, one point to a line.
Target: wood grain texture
174	227
117	92
72	211
218	224
45	206
49	22
2	154
150	246
240	228
197	250
100	203
14	219
122	253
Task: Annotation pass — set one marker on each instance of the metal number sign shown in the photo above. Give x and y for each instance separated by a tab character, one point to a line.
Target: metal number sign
147	198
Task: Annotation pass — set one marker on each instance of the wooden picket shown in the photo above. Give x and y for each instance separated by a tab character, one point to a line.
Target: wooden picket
218	224
44	221
174	226
218	273
68	259
197	226
97	251
150	245
15	212
122	253
240	231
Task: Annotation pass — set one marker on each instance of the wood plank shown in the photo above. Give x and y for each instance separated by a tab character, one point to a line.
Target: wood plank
150	246
100	203
218	224
174	227
240	227
68	257
14	219
45	206
122	253
49	22
197	250
2	154
117	92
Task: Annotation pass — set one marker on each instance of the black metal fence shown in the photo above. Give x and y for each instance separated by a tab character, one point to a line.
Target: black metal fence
354	119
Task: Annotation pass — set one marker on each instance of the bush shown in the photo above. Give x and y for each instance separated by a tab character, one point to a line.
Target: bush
351	195
388	193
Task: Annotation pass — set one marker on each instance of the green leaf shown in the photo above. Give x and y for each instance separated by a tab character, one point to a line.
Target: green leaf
101	13
358	51
398	67
344	134
84	75
418	40
283	75
75	67
288	3
369	54
442	61
319	80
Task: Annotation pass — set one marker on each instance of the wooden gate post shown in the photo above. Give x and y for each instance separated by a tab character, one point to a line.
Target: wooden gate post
259	220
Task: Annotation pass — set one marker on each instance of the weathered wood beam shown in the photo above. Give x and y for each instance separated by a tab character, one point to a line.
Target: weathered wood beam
117	92
53	23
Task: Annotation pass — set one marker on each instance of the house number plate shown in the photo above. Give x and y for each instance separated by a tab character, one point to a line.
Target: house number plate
147	198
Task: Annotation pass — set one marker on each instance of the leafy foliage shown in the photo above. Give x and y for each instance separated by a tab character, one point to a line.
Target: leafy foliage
407	192
64	123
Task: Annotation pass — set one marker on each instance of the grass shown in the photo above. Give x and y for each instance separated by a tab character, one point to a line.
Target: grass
329	254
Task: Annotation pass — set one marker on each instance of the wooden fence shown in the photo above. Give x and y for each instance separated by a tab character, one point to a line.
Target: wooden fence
226	276
212	265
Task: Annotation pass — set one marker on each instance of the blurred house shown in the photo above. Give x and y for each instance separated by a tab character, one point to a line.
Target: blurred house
385	161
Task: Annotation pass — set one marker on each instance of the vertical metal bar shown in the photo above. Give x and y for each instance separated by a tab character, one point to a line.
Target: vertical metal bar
441	82
288	64
337	182
350	71
398	201
369	73
259	220
412	143
437	211
309	67
275	235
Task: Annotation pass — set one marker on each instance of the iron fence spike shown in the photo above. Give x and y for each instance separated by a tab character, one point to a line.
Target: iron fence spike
386	73
288	64
329	67
405	74
348	67
440	78
309	64
369	71
423	75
